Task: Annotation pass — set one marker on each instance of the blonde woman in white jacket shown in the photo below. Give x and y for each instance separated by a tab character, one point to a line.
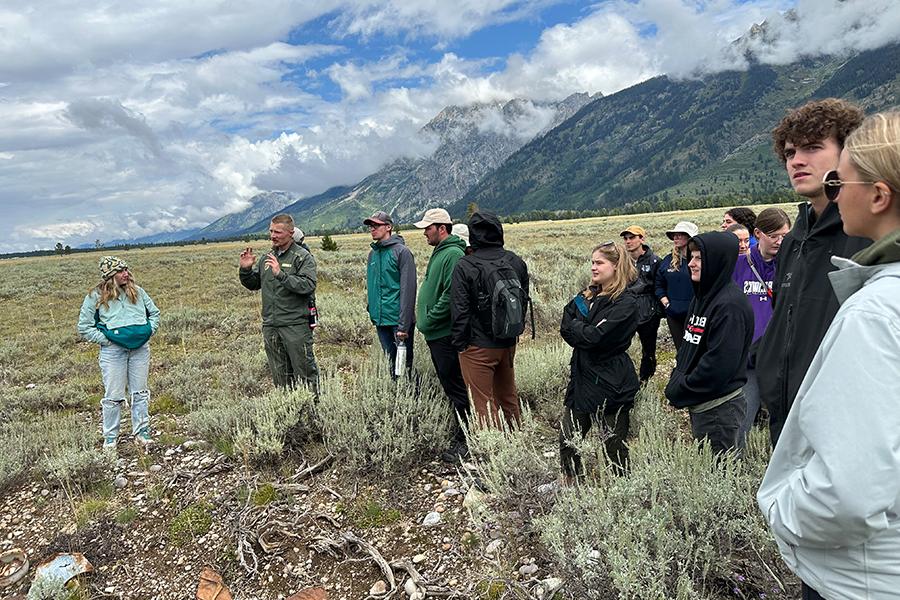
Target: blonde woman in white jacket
831	493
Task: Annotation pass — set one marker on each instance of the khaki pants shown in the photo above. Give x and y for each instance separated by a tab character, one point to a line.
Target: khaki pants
489	375
289	350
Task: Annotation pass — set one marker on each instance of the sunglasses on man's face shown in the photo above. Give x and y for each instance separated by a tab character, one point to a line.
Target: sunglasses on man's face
832	184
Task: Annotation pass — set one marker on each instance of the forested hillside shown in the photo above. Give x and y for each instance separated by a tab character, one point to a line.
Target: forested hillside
664	139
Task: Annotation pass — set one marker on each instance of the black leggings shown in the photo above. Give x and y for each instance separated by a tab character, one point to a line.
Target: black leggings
615	430
676	329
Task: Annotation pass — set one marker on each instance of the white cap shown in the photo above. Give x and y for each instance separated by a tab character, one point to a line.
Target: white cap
461	230
432	216
298	235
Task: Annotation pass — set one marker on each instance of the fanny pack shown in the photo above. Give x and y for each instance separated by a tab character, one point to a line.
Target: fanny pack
129	336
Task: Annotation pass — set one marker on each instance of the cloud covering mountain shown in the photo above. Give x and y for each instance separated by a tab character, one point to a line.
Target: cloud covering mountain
124	120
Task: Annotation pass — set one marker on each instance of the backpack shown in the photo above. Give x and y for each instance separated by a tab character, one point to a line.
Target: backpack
502	301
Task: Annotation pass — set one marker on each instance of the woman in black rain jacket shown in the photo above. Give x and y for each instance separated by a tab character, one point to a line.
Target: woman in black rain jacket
599	324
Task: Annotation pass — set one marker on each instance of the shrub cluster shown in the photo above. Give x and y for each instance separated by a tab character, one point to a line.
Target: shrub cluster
374	423
257	427
682	524
61	448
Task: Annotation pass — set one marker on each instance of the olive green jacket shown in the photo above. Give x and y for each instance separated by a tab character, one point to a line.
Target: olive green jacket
285	298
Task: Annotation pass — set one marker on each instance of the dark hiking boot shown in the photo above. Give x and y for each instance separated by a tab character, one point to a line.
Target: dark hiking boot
456	453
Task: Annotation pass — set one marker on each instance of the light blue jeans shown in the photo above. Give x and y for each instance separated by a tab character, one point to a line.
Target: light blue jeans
121	368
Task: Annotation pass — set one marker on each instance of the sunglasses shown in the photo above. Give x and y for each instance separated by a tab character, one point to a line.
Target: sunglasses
832	184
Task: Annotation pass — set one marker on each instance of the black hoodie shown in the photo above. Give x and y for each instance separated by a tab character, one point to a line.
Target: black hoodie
468	326
712	360
805	305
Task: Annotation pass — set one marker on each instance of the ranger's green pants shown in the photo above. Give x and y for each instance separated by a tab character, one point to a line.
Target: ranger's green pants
289	350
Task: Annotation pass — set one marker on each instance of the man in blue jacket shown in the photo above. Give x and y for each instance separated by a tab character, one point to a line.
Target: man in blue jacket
391	289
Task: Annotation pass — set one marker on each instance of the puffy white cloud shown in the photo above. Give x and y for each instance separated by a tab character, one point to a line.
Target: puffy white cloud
439	18
41	40
121	120
827	27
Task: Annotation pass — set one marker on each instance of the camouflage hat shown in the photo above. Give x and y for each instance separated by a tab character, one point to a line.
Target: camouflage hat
110	265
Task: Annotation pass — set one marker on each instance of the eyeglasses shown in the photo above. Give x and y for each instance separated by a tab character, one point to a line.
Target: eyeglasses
832	184
373	227
775	237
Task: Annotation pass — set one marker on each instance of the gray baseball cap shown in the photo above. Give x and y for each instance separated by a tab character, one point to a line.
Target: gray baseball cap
379	217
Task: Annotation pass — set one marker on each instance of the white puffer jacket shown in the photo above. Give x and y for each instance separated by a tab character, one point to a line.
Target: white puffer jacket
831	493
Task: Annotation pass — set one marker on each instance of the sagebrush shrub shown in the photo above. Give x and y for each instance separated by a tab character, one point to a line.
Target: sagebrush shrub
542	374
373	423
60	447
676	527
511	462
256	426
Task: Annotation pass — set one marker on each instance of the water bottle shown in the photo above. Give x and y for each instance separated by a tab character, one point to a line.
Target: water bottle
400	362
313	315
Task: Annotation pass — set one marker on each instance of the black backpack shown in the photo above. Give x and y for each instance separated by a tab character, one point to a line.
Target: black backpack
502	300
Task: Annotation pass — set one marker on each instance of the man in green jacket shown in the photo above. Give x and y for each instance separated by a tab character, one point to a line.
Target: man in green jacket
391	289
287	278
433	319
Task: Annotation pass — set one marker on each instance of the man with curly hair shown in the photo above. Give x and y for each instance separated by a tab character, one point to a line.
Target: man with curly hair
808	141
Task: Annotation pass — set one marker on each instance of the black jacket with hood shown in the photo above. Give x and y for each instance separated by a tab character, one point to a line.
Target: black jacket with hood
712	360
469	327
805	305
603	374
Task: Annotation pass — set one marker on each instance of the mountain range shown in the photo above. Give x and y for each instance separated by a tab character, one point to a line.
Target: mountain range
662	141
665	139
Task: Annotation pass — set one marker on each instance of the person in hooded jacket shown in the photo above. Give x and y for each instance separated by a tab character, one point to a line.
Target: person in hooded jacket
754	273
433	320
808	141
644	288
711	365
391	289
599	323
673	280
486	361
832	488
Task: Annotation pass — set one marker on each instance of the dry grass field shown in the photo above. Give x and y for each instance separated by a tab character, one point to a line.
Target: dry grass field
280	493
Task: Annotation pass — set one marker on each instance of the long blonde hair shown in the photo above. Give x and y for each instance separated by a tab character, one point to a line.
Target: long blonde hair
625	272
108	290
874	148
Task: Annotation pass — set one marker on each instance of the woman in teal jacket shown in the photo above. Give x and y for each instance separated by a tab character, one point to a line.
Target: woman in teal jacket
120	317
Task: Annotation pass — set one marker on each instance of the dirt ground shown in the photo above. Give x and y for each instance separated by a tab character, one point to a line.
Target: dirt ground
173	510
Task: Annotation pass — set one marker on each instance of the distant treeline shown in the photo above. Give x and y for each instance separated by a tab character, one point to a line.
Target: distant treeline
649	205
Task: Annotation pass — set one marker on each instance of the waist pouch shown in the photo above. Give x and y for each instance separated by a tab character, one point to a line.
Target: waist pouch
129	336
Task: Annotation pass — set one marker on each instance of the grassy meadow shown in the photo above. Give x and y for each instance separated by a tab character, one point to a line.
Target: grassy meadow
680	526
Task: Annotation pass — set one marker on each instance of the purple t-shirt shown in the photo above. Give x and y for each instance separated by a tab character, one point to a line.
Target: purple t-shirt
755	291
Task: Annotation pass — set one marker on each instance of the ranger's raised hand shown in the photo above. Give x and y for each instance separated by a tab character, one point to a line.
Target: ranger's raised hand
247	258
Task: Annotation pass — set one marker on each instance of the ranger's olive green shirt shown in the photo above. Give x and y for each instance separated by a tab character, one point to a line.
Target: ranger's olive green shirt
285	298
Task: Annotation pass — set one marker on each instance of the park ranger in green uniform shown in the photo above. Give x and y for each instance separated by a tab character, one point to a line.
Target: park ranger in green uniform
287	278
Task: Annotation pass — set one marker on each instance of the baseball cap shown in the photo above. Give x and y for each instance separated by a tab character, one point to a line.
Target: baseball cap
461	230
379	217
634	230
432	216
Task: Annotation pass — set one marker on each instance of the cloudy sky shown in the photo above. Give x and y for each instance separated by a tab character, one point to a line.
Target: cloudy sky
121	119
